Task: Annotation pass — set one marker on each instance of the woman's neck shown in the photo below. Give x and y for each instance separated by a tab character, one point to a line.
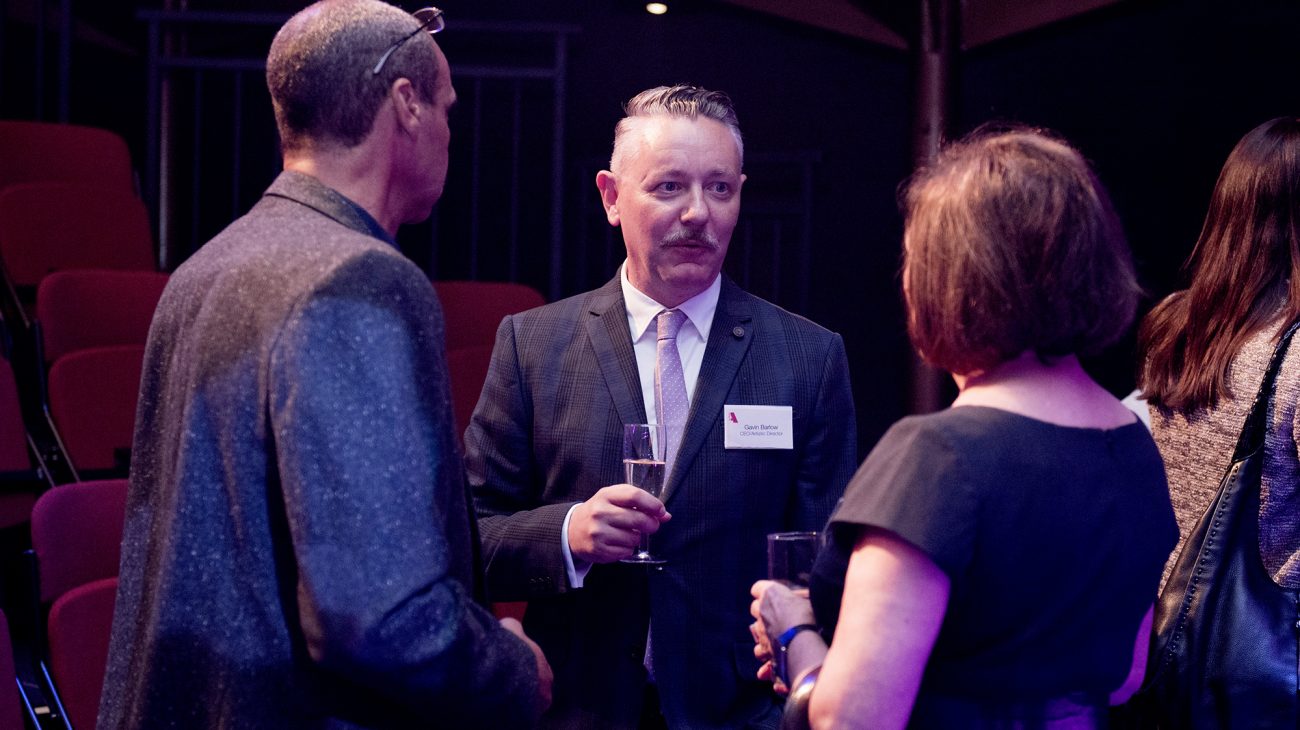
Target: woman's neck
1056	391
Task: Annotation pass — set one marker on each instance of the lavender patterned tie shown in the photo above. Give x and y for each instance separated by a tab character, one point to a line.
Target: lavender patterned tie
670	385
671	406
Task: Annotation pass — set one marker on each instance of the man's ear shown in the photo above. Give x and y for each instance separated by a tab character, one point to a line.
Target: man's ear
608	186
406	104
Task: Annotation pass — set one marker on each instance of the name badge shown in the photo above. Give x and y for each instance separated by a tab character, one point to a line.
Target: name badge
758	427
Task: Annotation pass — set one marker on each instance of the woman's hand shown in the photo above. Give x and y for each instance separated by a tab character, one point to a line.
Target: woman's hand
766	666
775	608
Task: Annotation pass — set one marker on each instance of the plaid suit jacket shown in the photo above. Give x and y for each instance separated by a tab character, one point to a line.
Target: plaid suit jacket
547	433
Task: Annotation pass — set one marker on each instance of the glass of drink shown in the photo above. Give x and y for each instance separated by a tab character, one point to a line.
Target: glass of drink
790	557
643	466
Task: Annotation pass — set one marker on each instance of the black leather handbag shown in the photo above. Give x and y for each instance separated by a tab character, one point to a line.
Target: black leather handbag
1224	641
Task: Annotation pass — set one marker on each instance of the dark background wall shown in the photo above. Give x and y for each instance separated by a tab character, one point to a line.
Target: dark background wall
1154	93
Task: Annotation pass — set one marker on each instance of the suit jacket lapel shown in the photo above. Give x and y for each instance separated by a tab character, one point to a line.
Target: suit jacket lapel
612	344
729	339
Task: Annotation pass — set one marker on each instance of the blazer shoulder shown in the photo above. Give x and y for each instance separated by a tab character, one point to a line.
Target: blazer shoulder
765	312
264	267
575	309
287	238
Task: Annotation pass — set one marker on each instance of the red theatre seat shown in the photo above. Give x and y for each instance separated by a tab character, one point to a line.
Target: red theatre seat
467	369
81	622
77	540
87	308
35	151
92	397
53	226
77	534
472	311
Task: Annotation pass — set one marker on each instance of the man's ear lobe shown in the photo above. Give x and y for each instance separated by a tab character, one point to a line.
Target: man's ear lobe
607	184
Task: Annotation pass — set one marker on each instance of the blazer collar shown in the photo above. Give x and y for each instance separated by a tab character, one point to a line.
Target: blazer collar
607	330
729	340
307	190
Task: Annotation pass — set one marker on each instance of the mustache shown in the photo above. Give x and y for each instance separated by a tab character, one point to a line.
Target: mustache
699	238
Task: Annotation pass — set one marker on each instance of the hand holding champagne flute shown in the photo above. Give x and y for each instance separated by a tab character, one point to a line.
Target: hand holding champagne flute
643	465
790	558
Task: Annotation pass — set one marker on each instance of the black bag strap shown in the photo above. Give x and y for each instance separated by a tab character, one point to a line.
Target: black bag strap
1252	431
1189	585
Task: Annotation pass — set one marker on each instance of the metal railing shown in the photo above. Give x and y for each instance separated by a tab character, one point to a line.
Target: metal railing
50	22
211	145
516	206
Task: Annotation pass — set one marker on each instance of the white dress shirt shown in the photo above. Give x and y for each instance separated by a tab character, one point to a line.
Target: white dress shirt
691	339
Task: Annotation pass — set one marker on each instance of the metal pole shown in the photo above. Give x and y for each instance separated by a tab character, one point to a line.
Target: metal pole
476	178
40	60
167	254
936	49
153	138
65	59
557	164
4	17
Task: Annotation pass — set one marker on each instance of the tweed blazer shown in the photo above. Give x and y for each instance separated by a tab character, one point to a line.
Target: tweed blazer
547	434
299	550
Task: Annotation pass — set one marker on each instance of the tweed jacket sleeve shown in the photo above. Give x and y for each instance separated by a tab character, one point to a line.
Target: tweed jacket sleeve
375	503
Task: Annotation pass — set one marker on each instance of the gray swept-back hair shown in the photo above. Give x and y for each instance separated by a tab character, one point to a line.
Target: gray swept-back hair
681	100
319	70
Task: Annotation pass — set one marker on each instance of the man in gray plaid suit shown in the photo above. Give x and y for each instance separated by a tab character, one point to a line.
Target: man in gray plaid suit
767	443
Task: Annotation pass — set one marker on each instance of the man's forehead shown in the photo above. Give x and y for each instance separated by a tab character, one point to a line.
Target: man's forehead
669	126
657	140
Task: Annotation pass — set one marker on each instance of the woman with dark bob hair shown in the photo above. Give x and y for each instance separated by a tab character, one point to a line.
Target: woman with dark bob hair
993	564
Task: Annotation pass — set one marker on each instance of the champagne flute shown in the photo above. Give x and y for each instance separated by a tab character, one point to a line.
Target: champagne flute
643	466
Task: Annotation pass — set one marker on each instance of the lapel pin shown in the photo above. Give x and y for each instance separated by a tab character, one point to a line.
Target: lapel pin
738	332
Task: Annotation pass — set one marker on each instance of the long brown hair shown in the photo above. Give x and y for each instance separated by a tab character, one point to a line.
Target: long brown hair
1245	263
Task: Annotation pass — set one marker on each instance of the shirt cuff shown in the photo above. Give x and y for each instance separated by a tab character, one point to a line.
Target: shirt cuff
577	569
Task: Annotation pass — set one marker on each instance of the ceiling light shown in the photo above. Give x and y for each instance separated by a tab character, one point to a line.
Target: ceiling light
656	8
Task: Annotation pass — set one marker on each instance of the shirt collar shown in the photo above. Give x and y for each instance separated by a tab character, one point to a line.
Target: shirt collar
642	310
372	225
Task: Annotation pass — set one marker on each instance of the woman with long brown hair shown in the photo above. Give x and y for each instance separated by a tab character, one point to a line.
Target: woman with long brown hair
1205	348
1222	376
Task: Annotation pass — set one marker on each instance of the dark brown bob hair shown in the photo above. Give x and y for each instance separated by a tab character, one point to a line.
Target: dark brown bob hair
1012	245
